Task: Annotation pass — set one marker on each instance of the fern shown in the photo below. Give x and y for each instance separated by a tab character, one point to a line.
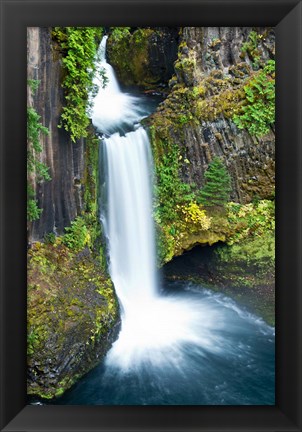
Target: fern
258	113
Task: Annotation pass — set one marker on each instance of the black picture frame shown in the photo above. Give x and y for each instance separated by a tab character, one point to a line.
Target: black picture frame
16	16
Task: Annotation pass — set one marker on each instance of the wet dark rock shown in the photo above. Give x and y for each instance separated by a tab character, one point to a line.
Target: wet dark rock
73	318
60	199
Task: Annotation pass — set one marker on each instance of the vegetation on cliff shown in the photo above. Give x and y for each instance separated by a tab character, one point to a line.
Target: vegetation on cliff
143	57
202	97
78	46
72	309
35	167
257	113
124	46
217	188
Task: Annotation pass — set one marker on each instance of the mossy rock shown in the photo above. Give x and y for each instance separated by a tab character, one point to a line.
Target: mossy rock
247	272
73	317
244	271
144	57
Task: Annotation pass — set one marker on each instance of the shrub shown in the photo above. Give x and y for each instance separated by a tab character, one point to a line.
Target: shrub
77	235
79	48
258	112
194	217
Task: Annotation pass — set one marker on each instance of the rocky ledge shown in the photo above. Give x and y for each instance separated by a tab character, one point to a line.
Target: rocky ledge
72	317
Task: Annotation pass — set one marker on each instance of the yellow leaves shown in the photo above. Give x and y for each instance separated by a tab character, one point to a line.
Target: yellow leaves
195	215
244	210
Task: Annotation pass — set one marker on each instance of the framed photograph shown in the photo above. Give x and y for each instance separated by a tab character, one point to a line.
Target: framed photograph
146	286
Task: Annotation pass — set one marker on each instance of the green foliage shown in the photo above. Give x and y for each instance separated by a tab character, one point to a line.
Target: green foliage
216	191
170	191
33	84
253	219
50	238
258	112
34	131
79	48
66	289
33	211
184	119
90	180
185	64
83	232
176	212
253	249
77	235
185	67
32	341
129	55
118	33
250	47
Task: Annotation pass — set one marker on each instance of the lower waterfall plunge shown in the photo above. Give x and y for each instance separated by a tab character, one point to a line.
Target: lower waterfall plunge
179	344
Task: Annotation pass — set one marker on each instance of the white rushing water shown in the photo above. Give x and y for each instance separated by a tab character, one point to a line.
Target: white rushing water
113	110
156	329
129	223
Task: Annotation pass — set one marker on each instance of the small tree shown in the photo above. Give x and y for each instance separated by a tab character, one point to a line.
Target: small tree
217	188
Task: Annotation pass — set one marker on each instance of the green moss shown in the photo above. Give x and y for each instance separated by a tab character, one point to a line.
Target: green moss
248	220
246	97
176	231
184	67
170	191
252	47
129	55
247	269
71	303
254	250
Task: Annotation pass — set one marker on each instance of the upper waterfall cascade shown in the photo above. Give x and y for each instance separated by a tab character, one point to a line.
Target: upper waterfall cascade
113	110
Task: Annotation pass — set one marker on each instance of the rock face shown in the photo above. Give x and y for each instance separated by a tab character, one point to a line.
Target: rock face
144	57
212	64
73	313
213	86
60	199
72	317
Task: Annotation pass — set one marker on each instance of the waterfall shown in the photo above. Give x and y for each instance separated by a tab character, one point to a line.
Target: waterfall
171	343
151	323
129	222
179	344
128	215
